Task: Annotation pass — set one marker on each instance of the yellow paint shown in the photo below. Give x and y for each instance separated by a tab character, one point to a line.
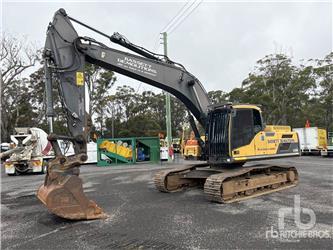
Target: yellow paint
262	144
246	106
9	165
277	128
265	142
79	78
125	152
36	163
322	138
192	150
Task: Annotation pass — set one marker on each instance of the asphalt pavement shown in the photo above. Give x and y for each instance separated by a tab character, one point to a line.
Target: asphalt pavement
140	217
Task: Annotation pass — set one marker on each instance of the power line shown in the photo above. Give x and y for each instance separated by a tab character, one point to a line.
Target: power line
175	17
174	20
182	20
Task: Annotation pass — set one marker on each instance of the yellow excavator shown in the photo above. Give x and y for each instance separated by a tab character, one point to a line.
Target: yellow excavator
235	133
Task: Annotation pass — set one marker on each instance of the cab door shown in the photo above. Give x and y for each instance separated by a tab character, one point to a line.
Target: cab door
242	132
260	144
260	140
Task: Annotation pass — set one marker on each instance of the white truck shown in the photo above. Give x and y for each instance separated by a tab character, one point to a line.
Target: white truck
33	151
67	149
312	139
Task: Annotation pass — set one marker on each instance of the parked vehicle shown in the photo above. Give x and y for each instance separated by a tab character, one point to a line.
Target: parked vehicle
31	153
67	149
176	145
312	139
4	148
192	149
328	151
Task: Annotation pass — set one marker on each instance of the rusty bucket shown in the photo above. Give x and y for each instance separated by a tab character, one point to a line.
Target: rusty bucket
63	196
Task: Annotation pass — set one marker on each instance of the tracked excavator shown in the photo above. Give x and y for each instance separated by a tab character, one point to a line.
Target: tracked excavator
235	133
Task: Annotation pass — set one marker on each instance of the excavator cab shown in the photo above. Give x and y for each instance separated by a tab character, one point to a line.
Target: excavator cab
237	133
230	127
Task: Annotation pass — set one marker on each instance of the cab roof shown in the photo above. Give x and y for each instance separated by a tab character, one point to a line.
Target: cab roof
235	106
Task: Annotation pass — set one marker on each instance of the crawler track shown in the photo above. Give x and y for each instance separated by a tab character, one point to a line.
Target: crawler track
249	182
171	180
229	185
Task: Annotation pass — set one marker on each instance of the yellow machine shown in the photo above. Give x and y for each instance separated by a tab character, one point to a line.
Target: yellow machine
235	135
121	149
271	141
192	149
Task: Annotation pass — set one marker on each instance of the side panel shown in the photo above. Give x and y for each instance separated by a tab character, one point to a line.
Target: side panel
261	143
322	138
268	145
312	138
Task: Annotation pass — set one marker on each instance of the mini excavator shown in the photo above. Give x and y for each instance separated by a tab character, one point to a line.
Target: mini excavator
235	133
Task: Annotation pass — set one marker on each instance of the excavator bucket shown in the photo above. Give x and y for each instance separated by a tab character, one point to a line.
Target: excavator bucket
63	195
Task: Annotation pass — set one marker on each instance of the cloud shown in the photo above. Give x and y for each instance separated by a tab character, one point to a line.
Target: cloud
219	42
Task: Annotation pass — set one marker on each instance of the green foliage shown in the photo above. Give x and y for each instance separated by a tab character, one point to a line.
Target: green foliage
100	82
289	94
136	114
218	96
323	98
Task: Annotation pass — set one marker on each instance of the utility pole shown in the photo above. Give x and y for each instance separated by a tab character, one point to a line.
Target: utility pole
112	122
167	103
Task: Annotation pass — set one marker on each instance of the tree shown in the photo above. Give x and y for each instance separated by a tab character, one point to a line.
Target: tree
37	96
218	96
135	114
323	71
16	57
99	83
280	87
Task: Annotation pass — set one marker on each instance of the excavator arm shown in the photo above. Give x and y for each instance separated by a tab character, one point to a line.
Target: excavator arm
65	56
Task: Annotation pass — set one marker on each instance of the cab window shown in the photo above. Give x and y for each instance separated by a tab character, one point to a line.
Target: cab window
246	123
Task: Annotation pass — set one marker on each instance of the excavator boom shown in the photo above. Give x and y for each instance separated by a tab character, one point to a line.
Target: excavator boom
235	134
66	54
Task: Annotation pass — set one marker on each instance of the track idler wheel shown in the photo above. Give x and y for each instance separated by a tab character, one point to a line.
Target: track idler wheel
62	194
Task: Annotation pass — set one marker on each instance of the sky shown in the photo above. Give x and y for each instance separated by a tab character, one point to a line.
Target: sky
219	42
